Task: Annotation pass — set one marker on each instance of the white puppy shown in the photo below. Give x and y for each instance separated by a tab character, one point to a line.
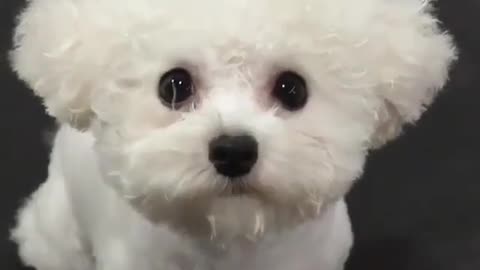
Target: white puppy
215	134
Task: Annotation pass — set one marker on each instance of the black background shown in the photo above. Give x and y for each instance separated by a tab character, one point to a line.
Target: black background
416	207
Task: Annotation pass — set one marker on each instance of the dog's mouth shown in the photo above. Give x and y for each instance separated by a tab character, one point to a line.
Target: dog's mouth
239	190
237	187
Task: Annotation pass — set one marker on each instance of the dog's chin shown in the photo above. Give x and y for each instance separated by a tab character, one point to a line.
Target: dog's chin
238	213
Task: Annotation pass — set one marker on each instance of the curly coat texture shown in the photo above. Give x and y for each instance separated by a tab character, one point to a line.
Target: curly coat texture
130	185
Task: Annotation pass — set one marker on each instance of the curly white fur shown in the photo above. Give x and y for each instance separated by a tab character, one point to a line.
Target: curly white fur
130	183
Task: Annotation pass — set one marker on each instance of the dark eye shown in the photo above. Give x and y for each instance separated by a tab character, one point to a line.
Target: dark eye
175	86
291	90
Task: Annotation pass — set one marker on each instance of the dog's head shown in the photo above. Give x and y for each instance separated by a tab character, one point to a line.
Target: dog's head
233	113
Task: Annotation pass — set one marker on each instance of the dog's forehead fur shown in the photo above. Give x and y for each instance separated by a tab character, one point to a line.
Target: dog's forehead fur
303	26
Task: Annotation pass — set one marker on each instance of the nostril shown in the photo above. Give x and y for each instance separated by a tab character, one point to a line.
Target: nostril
233	156
219	153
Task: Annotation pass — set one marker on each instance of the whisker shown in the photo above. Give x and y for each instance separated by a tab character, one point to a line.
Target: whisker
318	139
185	178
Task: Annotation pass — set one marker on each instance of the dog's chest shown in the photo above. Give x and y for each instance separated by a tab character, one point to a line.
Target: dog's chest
322	244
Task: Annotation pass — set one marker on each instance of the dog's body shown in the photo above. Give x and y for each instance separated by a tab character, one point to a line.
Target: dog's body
215	134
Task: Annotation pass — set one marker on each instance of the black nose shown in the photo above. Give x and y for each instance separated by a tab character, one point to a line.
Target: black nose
233	156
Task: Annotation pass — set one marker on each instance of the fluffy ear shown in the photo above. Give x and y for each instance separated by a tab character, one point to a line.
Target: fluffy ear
51	56
414	68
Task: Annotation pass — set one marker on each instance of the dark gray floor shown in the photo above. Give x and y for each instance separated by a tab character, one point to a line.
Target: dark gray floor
417	206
